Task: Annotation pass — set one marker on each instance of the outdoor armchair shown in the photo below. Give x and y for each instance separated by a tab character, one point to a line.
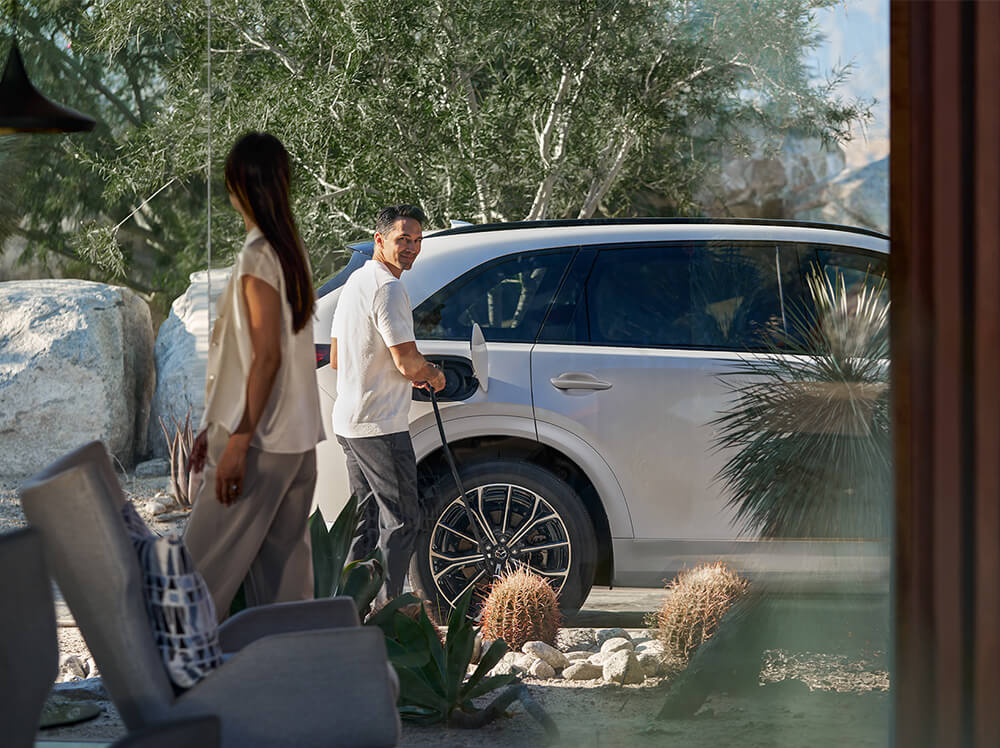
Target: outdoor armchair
302	674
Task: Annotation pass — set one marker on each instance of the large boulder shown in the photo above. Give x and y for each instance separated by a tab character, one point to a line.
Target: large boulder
855	197
76	364
182	355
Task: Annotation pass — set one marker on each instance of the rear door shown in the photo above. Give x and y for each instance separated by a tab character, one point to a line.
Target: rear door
629	359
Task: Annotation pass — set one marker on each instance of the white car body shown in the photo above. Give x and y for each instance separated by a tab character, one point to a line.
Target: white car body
644	443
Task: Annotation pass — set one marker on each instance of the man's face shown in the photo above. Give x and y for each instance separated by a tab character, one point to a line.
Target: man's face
400	246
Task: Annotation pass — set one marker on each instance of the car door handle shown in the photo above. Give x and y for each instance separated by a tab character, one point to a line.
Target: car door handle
574	380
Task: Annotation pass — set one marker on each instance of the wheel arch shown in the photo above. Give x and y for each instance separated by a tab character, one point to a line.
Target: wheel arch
470	442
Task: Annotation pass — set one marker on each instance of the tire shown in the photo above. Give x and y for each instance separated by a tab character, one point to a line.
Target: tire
528	494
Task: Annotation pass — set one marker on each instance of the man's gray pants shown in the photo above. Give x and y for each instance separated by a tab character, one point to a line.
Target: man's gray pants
383	475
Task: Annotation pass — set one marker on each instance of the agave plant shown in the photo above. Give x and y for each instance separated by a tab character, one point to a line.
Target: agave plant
332	575
179	446
807	430
434	684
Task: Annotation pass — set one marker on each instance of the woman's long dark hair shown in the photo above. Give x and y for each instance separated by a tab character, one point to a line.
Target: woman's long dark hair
257	172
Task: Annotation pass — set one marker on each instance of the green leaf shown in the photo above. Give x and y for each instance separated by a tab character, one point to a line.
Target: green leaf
421	715
437	651
487	661
459	644
489	684
322	558
362	580
339	541
384	617
415	690
400	656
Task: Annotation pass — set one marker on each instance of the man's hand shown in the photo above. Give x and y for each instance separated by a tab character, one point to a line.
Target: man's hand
231	470
436	381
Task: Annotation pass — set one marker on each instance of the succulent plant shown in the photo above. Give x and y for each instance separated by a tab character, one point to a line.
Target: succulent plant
521	607
333	575
179	446
698	599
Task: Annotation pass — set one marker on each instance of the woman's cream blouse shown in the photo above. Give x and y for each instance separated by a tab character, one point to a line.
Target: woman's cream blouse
291	421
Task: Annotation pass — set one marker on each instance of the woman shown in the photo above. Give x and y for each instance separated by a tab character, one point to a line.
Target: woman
256	446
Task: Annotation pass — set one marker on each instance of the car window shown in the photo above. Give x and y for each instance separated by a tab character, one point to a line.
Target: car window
706	294
507	297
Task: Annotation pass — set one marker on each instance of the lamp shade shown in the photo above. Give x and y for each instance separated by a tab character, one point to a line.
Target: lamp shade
24	109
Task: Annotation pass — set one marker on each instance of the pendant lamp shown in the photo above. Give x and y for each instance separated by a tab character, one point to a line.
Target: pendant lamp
23	109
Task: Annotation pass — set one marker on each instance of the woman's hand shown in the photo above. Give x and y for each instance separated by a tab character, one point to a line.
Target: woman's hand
231	469
199	452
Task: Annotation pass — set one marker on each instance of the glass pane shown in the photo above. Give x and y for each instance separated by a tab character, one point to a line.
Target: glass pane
508	299
641	297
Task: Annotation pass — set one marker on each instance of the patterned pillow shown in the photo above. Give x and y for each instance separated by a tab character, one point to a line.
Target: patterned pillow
181	612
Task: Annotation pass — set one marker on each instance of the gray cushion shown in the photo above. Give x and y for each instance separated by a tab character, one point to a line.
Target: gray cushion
181	612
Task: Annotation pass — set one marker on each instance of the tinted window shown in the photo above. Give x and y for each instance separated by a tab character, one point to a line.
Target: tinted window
711	295
507	297
856	267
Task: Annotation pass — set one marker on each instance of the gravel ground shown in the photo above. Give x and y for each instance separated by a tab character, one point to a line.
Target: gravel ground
813	698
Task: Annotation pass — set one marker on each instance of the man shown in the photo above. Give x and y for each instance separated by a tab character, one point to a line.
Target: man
372	348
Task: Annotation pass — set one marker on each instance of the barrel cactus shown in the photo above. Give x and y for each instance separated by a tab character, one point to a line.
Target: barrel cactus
698	599
521	607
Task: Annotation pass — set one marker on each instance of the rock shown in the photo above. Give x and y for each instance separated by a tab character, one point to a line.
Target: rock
616	644
157	507
181	357
76	364
523	661
638	639
504	668
542	669
572	640
81	690
652	646
583	671
556	659
73	666
652	664
577	656
602	635
155	468
91	667
623	667
599	658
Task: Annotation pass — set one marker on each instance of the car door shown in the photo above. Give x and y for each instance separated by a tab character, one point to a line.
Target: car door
629	359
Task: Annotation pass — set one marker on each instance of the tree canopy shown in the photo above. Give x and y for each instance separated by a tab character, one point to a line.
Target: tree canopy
493	110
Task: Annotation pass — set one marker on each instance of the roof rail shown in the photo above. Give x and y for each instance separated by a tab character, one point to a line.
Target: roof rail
569	222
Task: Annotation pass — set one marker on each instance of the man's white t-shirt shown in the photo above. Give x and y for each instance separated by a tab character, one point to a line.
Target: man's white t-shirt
373	313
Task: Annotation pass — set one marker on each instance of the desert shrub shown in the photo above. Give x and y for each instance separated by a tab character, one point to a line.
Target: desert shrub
698	599
521	607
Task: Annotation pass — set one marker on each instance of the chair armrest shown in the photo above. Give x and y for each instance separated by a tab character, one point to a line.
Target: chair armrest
265	620
306	688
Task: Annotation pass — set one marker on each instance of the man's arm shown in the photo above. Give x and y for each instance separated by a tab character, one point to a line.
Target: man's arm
333	353
412	365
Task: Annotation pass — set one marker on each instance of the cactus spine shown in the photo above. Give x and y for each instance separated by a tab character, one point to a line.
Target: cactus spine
698	599
521	607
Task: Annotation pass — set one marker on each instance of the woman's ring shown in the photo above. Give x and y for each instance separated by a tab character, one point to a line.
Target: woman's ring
235	487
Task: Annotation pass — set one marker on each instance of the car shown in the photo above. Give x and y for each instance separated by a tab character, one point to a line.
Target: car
582	424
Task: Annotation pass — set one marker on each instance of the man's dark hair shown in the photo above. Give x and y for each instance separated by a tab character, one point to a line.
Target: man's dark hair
388	216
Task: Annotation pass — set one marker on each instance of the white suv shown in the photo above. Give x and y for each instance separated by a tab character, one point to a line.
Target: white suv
583	429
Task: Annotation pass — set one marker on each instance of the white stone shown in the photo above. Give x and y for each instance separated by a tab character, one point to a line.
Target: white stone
602	635
76	364
160	507
556	659
616	644
623	667
652	664
504	667
575	639
599	658
582	671
577	656
73	666
653	646
542	669
182	356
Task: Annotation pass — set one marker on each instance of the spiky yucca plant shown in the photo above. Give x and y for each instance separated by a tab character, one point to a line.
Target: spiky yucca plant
807	430
179	446
698	600
521	607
